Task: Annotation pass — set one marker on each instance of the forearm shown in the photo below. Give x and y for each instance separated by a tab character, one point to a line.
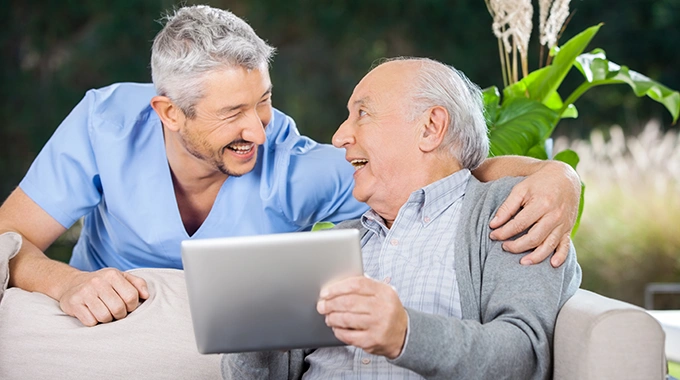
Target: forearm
466	349
31	270
510	338
520	166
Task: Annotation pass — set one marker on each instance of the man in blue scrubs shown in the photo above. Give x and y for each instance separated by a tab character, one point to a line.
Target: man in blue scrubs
201	153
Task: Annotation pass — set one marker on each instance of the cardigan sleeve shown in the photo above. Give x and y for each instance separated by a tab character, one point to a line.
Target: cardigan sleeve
509	310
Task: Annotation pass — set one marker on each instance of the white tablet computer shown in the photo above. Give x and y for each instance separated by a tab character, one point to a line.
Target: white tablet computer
260	292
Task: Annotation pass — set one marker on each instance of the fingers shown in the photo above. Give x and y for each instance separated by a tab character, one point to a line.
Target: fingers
562	252
351	321
355	303
365	313
546	203
508	209
543	234
358	285
139	284
114	306
356	338
542	252
83	314
103	296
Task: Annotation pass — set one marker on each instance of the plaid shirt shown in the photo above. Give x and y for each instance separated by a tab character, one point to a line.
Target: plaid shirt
416	257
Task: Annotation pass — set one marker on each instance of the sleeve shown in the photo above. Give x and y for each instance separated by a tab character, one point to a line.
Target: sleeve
515	309
265	365
513	339
319	186
63	180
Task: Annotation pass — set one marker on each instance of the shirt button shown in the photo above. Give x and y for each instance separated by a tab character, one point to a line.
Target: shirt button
426	219
365	361
394	242
387	280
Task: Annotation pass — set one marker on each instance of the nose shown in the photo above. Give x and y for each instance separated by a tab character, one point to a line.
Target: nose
253	129
343	136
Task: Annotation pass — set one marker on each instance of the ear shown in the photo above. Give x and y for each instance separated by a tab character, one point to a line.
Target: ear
171	115
435	127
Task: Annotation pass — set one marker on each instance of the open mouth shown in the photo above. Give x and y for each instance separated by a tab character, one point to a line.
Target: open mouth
358	163
241	148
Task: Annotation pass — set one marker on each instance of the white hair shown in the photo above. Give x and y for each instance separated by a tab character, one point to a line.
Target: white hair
196	40
437	84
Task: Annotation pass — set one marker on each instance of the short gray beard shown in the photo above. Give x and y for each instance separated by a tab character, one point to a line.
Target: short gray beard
218	164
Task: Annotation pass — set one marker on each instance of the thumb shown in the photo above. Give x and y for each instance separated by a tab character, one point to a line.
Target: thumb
139	283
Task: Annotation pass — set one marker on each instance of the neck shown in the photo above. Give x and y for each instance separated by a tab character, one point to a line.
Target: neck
436	168
189	173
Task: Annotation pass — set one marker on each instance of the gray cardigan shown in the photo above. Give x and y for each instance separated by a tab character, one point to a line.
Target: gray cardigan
509	310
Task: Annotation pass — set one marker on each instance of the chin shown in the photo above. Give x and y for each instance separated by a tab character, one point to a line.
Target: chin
358	195
235	170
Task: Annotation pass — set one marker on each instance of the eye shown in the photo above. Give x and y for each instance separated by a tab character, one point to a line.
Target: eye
362	113
268	100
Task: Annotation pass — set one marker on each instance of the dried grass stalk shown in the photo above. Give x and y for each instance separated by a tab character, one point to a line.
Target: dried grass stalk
550	22
512	26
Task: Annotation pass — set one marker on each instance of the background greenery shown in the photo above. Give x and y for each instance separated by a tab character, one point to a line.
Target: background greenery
53	51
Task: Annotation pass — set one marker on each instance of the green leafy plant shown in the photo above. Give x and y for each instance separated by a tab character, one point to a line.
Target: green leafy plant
524	115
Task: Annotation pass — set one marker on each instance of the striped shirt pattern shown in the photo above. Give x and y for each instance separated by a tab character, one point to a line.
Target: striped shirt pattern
415	256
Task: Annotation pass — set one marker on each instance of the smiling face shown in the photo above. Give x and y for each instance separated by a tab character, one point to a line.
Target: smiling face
381	140
229	121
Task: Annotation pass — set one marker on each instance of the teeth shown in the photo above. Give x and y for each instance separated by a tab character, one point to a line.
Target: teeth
241	148
359	163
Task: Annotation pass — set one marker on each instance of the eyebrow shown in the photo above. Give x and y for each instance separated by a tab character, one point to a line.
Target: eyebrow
227	109
361	102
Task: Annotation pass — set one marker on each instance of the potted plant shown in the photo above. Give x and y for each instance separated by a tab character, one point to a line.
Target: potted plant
522	118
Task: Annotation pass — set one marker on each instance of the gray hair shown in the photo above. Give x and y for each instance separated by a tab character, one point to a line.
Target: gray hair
196	40
437	84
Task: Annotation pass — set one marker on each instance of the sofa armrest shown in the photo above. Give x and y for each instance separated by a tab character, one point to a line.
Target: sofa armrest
601	338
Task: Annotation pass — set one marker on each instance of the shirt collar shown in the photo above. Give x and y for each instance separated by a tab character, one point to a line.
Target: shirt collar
433	199
374	222
436	197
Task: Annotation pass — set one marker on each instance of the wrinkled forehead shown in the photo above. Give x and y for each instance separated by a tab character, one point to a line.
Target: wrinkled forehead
390	81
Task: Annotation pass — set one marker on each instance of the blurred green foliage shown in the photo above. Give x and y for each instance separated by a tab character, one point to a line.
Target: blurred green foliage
53	51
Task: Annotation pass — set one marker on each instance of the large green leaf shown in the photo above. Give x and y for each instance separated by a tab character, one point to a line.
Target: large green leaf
541	84
569	157
598	70
492	99
519	125
555	103
580	210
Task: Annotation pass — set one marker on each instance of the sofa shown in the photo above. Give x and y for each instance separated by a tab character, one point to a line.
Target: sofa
595	337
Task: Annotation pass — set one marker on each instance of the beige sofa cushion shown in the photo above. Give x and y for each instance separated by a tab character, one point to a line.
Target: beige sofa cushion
156	341
10	243
601	338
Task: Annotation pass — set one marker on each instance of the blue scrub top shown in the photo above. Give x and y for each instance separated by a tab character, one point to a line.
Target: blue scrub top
107	162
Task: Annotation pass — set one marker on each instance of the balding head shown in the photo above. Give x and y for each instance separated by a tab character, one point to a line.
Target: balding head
427	83
404	130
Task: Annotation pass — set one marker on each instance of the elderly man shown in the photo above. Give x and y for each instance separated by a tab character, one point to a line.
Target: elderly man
201	153
433	304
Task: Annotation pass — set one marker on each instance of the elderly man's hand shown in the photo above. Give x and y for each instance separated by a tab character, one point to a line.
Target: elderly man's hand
547	202
365	313
102	296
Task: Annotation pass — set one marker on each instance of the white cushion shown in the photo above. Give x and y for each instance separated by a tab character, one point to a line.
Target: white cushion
156	341
601	338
